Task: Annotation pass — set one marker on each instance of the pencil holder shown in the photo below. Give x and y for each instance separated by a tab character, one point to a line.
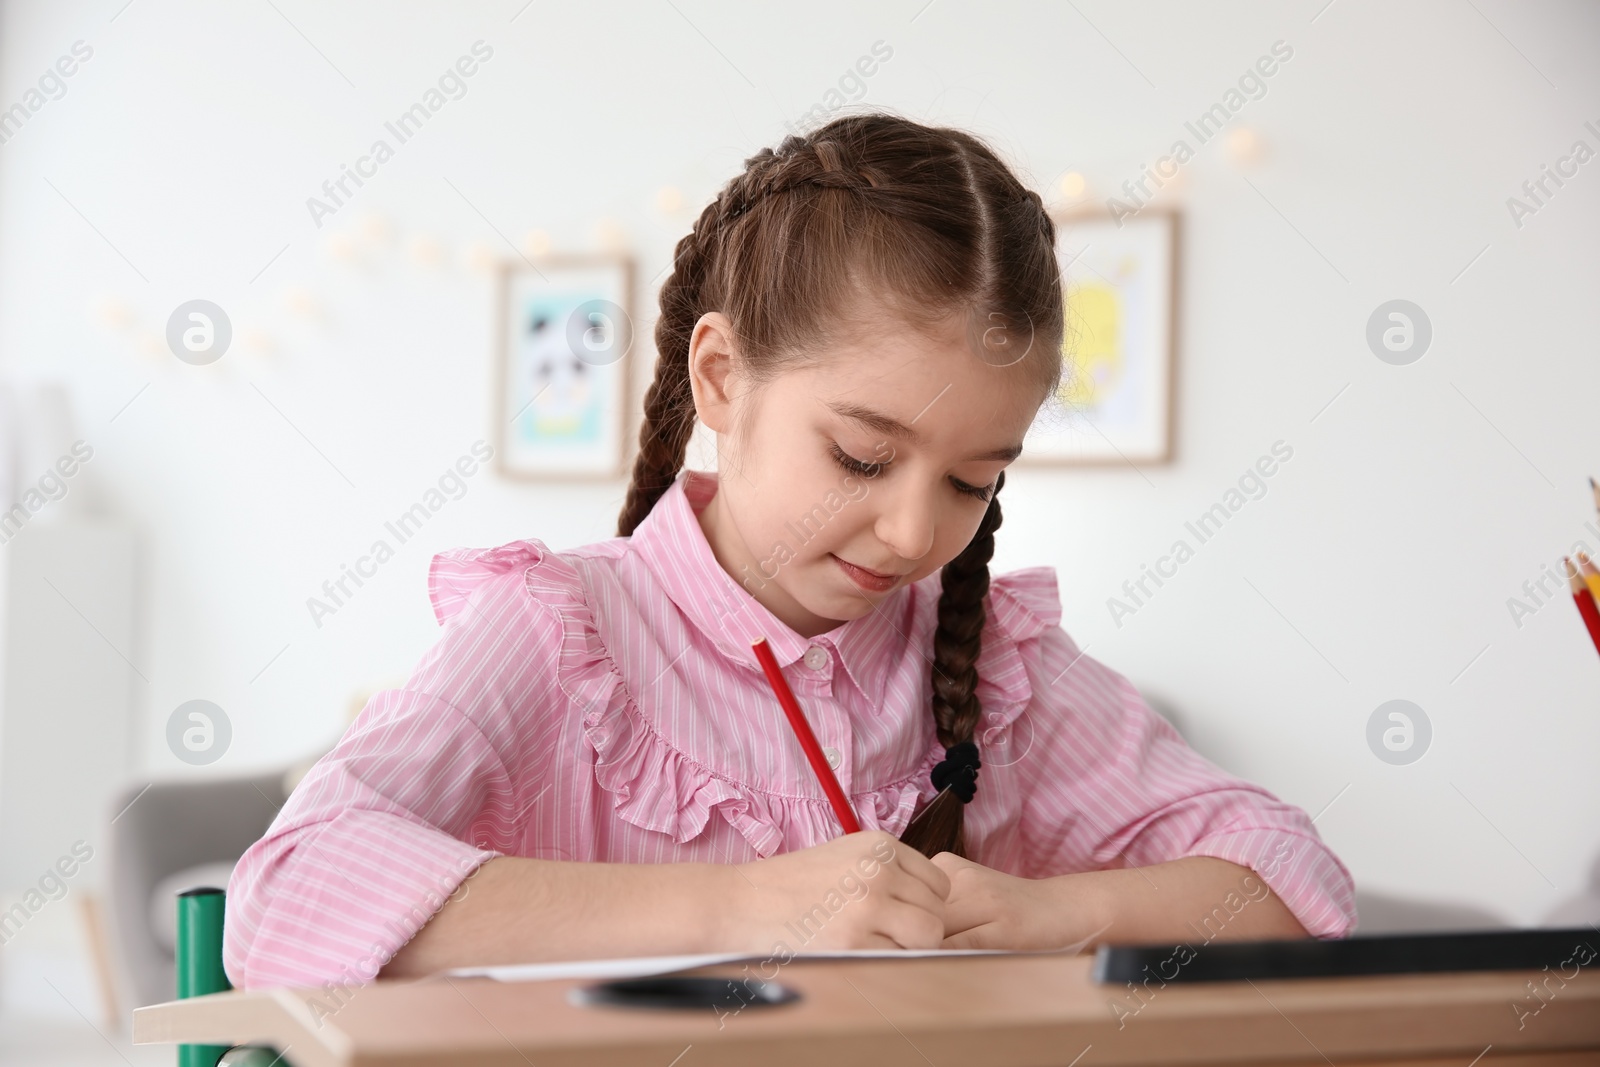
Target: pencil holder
199	962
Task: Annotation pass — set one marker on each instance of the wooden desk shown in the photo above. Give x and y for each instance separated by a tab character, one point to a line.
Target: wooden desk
964	1012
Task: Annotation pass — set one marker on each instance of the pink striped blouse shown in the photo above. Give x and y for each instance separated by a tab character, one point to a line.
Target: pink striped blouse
604	704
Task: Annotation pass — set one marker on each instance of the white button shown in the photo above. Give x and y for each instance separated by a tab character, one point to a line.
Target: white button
816	657
833	756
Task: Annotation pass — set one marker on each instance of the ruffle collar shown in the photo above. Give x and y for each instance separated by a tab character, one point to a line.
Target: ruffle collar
657	785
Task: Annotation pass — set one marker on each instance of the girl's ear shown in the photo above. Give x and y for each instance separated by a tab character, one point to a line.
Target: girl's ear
713	358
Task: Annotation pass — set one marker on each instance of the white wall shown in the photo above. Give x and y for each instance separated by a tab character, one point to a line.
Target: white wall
1414	506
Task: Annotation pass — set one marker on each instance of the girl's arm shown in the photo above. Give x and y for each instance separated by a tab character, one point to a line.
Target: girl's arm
864	890
516	910
1197	896
1110	789
1196	899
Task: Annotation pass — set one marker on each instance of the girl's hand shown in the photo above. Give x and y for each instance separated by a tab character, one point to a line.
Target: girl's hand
862	890
988	909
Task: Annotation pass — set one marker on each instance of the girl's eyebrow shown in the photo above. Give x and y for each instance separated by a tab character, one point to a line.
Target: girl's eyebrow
875	420
892	427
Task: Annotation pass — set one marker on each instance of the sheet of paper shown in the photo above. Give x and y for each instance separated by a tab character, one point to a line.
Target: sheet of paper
647	966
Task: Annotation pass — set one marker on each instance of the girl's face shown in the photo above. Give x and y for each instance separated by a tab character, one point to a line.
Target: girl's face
861	469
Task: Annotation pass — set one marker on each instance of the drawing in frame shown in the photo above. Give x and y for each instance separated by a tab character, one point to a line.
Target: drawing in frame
1115	401
565	326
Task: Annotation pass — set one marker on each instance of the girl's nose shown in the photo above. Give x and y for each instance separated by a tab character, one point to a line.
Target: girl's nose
905	521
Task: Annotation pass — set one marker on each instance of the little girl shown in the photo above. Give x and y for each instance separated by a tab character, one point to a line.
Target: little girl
590	762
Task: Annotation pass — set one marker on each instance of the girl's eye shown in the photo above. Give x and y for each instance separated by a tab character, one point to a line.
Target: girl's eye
872	470
853	465
981	492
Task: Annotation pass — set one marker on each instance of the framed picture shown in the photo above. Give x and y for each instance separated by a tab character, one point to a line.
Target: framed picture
1115	402
561	399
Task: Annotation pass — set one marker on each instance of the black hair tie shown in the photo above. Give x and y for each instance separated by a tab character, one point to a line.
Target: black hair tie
958	771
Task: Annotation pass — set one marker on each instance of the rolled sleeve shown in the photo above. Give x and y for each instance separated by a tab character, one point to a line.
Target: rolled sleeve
1297	866
359	860
1118	787
428	783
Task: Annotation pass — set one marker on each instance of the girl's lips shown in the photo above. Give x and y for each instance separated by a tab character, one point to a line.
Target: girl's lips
871	581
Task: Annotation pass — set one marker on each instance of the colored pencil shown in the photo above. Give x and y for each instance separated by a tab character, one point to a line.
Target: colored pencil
1585	601
808	740
1591	575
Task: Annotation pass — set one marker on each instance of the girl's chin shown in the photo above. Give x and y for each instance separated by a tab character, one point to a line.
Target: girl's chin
823	589
843	603
830	599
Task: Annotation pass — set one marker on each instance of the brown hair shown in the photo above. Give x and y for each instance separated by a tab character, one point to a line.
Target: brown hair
942	226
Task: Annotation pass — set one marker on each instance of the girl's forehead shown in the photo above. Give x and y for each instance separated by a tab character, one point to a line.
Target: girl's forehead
950	340
912	365
917	393
921	367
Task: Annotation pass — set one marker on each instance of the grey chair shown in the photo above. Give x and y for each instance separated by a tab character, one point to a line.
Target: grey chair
166	837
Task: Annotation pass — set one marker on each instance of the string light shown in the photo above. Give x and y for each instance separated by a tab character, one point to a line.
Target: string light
112	313
425	251
536	243
341	246
1245	146
610	236
480	257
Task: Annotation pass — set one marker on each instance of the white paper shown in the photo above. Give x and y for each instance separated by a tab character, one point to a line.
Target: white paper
637	967
647	966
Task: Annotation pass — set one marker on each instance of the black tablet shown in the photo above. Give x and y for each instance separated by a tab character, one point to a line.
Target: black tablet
1563	950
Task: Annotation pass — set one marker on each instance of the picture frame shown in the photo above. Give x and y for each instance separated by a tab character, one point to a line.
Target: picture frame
1116	402
564	367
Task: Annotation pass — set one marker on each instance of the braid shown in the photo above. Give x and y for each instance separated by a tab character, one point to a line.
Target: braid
669	404
957	643
796	162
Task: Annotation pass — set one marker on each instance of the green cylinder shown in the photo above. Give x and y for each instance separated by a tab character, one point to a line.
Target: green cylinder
199	962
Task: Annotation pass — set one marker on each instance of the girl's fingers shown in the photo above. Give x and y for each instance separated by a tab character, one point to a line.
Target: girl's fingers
911	927
973	938
879	941
959	918
922	868
915	892
950	863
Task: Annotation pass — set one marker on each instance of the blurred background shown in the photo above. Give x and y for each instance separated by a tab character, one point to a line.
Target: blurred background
180	512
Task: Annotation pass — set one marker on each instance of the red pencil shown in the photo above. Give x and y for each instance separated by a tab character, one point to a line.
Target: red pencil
1585	601
808	740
